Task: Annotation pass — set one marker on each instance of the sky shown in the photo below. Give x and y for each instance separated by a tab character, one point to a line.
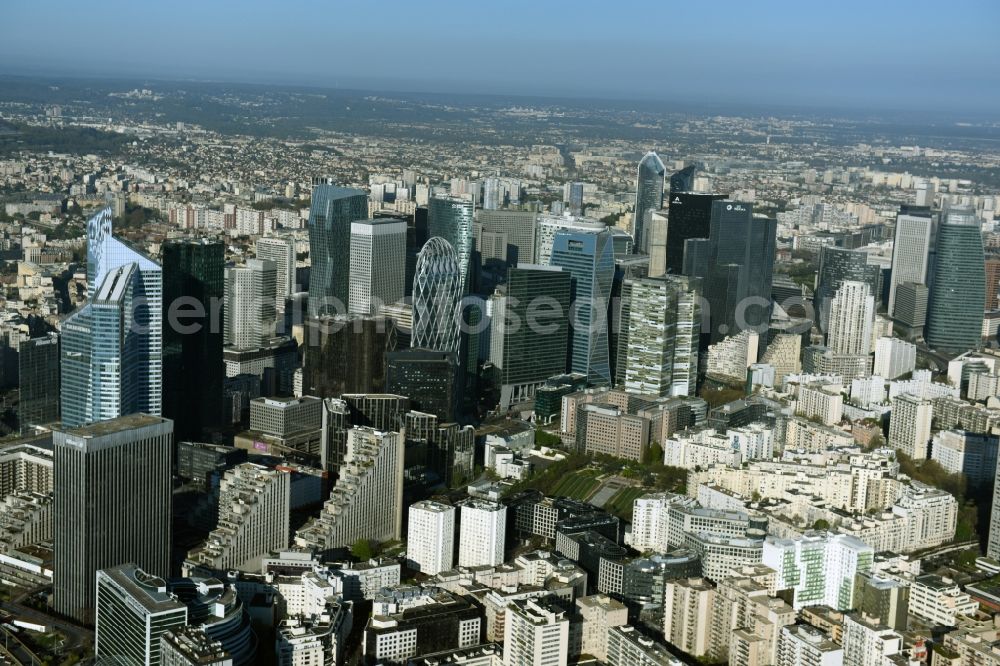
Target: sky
836	53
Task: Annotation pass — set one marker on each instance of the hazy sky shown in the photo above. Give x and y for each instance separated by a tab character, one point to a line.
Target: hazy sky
848	53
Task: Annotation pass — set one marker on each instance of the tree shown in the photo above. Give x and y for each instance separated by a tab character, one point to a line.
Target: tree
362	550
654	454
821	525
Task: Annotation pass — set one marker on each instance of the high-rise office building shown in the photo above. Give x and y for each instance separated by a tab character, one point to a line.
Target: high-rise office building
378	248
451	218
530	330
249	310
683	180
648	196
955	307
280	250
134	609
333	209
575	198
38	369
852	315
428	378
740	267
992	283
546	228
437	294
536	632
193	369
588	256
113	504
910	315
910	250
658	343
517	227
689	217
430	537
346	355
112	347
838	265
482	530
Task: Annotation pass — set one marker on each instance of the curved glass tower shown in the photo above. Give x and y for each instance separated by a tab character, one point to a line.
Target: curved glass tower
437	293
450	218
330	216
955	308
648	196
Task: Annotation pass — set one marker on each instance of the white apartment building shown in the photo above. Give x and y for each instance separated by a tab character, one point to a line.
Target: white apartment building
852	315
820	403
430	537
818	568
910	425
598	614
687	614
894	357
482	530
868	643
801	645
536	633
940	601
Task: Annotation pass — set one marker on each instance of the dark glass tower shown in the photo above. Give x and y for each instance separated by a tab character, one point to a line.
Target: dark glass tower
683	180
38	368
333	209
740	268
955	308
690	216
451	218
648	196
193	369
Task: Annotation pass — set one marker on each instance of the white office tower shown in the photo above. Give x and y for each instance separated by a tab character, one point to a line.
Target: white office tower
802	645
910	251
852	315
378	266
910	425
536	633
894	358
482	529
819	568
367	501
281	251
253	519
867	642
687	614
430	540
249	310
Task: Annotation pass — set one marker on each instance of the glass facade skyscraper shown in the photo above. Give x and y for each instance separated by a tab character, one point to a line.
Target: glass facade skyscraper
451	218
648	196
437	294
38	370
689	216
112	347
193	369
683	180
955	308
589	257
330	216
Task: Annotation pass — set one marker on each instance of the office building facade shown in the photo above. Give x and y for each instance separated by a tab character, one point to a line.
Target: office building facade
38	370
330	216
377	275
648	196
437	295
955	300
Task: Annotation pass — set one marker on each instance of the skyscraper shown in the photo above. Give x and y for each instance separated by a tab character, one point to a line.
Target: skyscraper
482	530
837	265
451	218
955	307
852	315
378	269
437	292
658	345
280	250
683	180
333	209
428	378
588	255
112	347
689	216
530	330
249	310
910	250
193	369
113	504
518	226
648	196
740	267
575	198
38	369
346	354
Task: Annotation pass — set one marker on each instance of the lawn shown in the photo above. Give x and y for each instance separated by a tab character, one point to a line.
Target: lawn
621	504
578	485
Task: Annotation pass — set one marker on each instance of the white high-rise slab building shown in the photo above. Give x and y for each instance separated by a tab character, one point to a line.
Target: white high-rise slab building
430	538
481	533
818	567
249	306
910	250
536	633
852	315
378	272
910	425
894	357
